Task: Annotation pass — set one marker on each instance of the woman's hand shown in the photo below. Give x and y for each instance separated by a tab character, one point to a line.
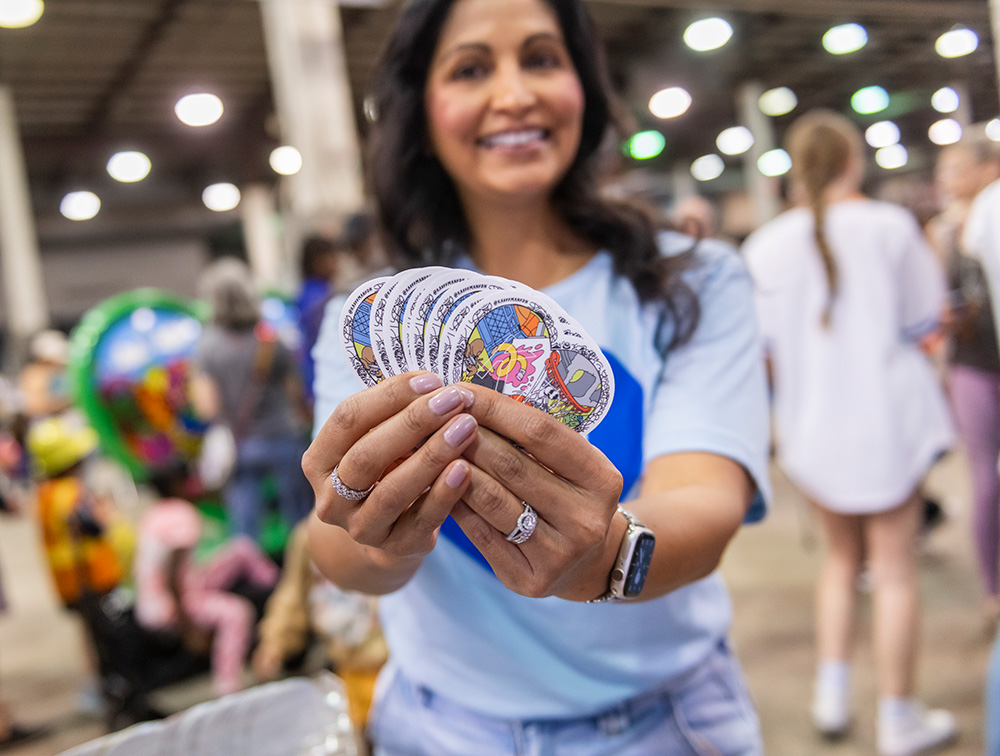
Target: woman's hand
406	435
572	486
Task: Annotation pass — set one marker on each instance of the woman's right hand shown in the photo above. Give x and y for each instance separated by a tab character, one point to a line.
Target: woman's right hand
406	435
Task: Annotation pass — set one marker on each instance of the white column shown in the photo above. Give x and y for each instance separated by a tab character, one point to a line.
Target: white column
260	233
26	309
765	192
964	113
305	47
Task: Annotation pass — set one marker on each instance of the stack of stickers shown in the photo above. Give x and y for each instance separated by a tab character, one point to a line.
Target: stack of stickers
467	327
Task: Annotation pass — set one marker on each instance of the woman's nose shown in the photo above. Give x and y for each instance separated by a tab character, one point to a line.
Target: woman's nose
512	89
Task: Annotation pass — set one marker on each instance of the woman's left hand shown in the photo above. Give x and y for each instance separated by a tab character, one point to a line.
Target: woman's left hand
572	486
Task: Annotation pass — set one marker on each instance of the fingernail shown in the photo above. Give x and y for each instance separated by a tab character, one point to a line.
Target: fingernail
424	384
456	475
461	428
446	401
467	396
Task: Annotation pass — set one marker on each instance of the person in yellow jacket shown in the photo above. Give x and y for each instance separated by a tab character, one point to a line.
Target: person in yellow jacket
87	546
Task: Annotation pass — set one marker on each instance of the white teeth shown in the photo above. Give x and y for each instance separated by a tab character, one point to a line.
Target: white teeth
514	138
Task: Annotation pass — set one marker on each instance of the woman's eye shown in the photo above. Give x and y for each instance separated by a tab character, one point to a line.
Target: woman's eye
543	60
467	71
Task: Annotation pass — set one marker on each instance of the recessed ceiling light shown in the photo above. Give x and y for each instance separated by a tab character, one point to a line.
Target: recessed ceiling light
17	14
80	206
735	140
285	160
947	131
707	167
945	100
870	100
128	167
892	157
993	130
882	134
957	42
199	109
844	39
777	101
646	144
774	163
221	197
670	102
708	34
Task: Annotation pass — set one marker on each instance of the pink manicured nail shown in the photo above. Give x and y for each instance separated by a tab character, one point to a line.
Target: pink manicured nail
456	475
467	395
445	401
426	383
460	429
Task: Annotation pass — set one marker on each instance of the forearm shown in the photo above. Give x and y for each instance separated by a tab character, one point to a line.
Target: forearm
354	566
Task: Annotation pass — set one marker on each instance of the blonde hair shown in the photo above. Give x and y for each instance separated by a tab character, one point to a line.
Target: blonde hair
823	146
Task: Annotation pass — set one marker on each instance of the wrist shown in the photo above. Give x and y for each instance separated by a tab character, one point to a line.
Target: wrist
594	580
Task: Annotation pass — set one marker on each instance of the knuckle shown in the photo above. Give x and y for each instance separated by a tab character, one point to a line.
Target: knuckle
345	414
412	420
491	499
510	464
311	466
536	586
434	456
540	428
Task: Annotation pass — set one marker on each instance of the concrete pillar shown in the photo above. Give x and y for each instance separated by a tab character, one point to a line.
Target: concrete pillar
263	243
25	307
964	113
765	192
305	47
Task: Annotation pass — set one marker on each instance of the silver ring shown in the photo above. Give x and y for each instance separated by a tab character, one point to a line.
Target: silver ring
525	525
345	491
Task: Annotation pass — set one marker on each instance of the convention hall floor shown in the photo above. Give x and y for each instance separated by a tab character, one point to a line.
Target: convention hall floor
770	569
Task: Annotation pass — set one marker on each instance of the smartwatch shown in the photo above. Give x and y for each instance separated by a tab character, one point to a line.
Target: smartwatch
628	575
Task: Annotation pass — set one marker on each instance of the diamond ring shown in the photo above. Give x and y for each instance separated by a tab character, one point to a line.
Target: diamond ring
345	491
525	525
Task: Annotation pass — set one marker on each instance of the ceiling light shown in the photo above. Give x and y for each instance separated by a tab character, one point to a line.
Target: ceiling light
774	163
993	130
870	100
957	42
80	206
846	38
708	34
777	101
646	144
945	100
129	167
882	134
201	109
670	102
221	197
707	167
285	160
17	14
892	157
735	140
945	132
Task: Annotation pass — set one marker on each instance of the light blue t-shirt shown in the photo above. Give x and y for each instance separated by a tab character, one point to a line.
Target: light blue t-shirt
456	629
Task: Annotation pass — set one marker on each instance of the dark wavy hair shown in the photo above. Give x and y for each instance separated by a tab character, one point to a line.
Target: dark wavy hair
419	209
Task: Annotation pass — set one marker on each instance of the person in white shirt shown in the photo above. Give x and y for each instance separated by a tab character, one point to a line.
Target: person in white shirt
981	239
846	289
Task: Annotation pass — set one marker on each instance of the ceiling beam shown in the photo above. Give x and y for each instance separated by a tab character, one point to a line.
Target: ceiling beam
967	11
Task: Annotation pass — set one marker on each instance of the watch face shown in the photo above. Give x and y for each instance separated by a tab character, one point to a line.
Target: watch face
639	566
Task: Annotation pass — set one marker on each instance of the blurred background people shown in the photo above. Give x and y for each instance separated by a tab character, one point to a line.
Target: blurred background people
362	256
971	353
43	381
248	380
846	289
195	600
318	265
697	217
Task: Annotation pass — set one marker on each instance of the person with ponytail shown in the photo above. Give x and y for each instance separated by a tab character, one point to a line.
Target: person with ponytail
846	290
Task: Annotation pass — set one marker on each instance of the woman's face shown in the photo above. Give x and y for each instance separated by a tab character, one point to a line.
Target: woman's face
957	175
503	101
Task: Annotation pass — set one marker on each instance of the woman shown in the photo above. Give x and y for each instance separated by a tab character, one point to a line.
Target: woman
490	115
847	287
248	380
963	169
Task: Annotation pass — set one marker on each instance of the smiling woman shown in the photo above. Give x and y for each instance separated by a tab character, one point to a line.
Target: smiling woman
495	532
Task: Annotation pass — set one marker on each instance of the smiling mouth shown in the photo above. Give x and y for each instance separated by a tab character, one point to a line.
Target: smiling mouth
514	139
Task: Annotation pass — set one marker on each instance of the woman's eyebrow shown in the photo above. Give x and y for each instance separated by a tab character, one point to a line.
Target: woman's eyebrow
464	47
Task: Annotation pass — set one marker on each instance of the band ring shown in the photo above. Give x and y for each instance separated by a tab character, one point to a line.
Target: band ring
345	491
525	525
